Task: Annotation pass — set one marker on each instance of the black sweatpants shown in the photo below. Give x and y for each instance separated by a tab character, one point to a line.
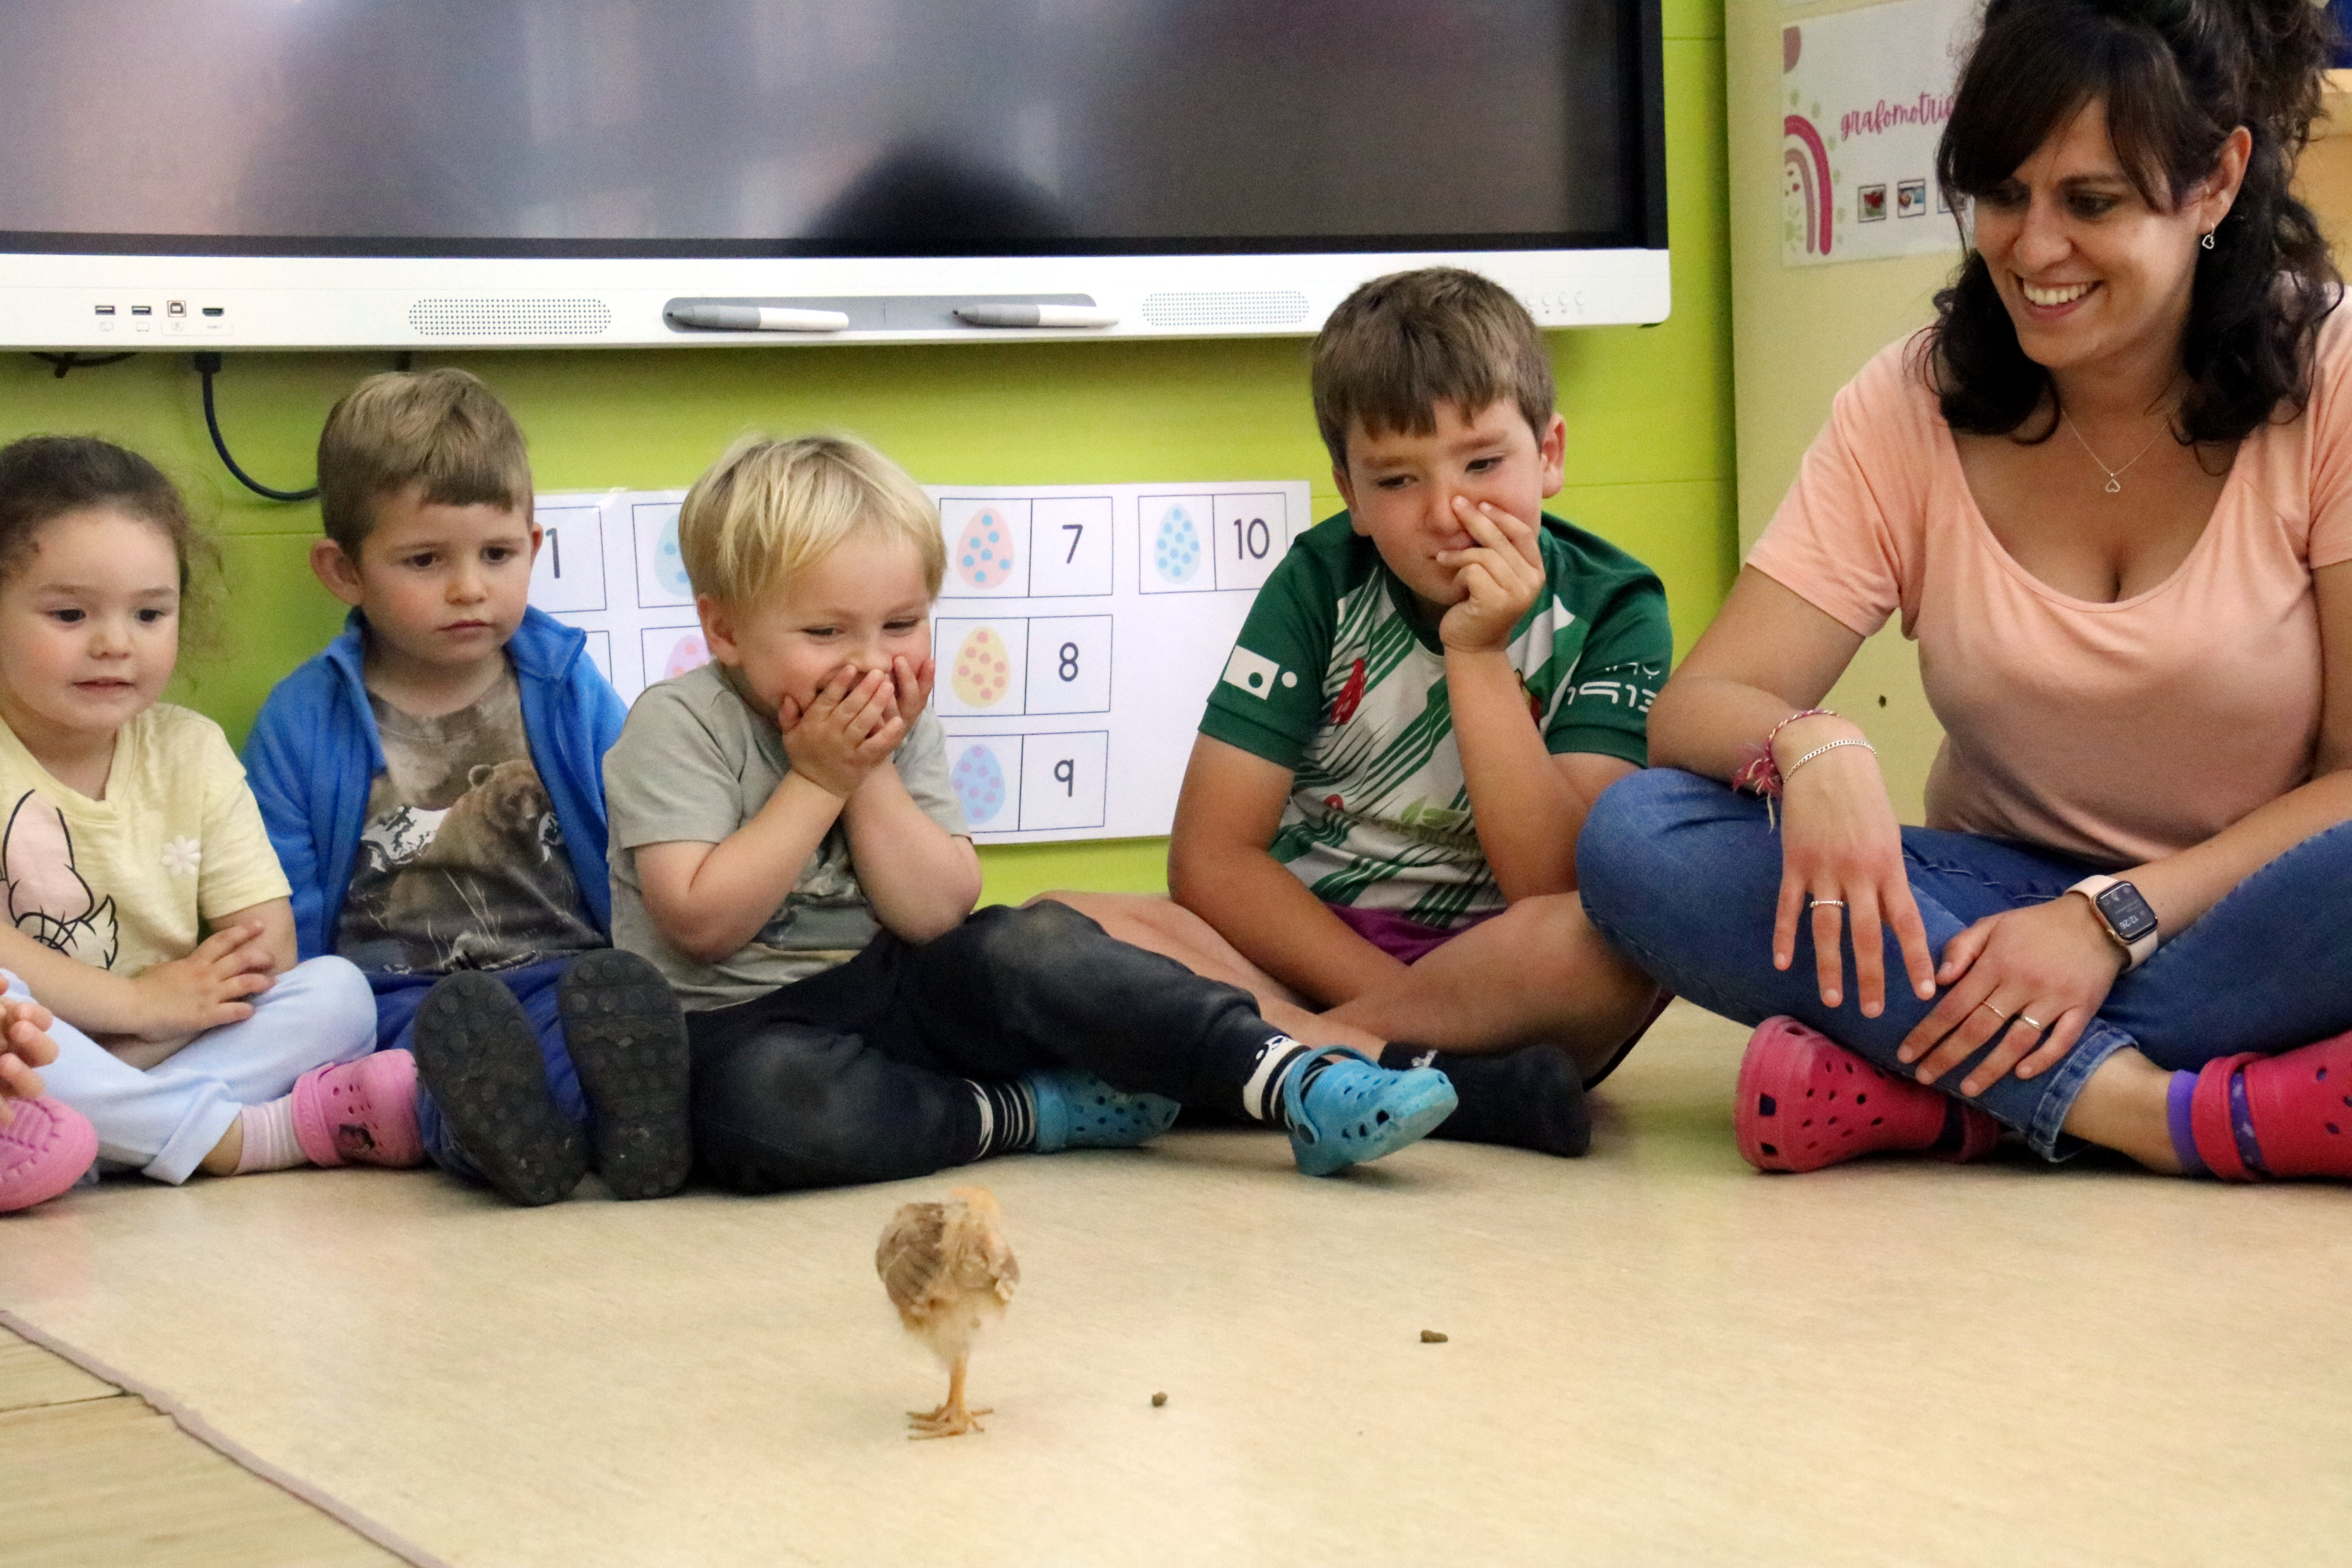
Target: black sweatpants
859	1074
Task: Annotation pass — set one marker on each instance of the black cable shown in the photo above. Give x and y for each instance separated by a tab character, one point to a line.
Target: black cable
71	361
208	365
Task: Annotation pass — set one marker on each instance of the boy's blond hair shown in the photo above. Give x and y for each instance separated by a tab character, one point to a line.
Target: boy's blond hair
440	429
1400	345
771	508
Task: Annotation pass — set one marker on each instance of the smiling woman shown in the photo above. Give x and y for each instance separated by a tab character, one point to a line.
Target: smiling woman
2138	635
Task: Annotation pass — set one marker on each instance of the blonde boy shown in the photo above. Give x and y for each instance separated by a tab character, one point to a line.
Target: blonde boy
433	785
786	849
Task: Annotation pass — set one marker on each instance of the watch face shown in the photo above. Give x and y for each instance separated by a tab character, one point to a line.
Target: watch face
2128	914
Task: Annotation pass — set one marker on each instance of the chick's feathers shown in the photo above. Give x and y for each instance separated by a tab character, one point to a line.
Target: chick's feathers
948	1268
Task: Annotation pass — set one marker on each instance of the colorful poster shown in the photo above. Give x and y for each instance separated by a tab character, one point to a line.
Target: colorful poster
1865	95
1078	632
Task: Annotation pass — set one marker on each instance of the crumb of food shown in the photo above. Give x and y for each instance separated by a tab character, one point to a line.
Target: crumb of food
1157	1400
1431	1337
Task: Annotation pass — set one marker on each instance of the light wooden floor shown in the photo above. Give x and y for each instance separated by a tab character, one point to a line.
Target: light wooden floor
1655	1355
91	1475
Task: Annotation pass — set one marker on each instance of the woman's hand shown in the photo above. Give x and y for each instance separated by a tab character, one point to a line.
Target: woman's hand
1841	864
2047	966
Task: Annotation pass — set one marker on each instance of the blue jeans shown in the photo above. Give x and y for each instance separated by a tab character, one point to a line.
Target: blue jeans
397	999
1682	874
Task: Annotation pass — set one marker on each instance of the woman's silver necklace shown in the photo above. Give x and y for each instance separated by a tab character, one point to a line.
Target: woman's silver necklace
2114	485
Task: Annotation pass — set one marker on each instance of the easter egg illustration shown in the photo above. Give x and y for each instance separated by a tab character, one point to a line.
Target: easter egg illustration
983	556
984	667
979	781
670	566
689	652
1176	548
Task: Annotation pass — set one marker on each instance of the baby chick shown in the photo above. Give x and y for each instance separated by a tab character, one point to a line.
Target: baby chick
949	1271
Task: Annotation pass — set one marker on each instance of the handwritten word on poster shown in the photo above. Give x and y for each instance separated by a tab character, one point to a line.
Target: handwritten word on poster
1864	96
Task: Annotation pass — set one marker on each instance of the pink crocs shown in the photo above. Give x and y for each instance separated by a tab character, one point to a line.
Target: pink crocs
362	1112
2287	1115
44	1150
1806	1101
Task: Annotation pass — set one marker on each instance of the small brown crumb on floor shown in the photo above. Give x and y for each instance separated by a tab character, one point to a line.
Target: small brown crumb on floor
1431	1337
1157	1400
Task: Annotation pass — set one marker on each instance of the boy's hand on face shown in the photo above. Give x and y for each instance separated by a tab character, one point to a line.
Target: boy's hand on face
913	684
1500	574
850	727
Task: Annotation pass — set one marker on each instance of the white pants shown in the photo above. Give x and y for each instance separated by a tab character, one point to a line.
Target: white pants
164	1120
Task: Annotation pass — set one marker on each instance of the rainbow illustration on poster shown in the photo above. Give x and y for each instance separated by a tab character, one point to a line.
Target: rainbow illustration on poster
1807	161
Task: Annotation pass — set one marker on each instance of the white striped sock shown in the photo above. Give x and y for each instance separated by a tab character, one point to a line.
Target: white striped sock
269	1141
1261	1091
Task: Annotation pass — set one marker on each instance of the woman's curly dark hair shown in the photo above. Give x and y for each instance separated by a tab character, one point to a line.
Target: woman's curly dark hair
2177	76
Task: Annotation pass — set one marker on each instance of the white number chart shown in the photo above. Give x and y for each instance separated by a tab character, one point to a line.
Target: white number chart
609	564
1077	633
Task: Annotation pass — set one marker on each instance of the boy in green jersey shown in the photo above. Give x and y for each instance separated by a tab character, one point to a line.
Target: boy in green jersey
1377	834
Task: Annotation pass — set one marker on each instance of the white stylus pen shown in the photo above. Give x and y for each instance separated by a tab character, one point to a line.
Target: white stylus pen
1037	316
757	319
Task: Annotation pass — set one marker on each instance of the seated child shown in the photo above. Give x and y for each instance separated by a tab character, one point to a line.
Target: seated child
1377	832
145	911
787	850
432	784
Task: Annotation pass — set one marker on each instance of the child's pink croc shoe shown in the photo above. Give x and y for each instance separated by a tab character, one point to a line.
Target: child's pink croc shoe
44	1150
1806	1101
359	1113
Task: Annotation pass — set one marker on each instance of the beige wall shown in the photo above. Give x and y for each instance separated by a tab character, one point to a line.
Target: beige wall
1798	334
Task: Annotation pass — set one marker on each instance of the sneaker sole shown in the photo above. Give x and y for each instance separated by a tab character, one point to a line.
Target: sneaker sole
478	1056
627	1038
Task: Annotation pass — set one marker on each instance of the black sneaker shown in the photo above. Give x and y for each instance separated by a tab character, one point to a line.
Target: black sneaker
627	1038
477	1056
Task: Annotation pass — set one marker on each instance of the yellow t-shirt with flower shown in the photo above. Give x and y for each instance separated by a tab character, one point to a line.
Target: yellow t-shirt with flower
129	881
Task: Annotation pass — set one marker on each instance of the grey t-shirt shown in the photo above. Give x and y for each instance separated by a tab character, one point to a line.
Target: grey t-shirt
461	864
695	763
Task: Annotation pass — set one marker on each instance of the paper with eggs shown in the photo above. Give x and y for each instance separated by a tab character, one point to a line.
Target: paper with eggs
1078	633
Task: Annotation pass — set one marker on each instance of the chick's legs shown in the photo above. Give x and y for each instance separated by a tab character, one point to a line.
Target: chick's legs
952	1419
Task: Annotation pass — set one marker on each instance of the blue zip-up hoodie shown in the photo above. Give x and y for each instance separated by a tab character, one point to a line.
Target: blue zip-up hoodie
314	754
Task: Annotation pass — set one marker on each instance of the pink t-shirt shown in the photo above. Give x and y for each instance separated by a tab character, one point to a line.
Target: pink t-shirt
2117	732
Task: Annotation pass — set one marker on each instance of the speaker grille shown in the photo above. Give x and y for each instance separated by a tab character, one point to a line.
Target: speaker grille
1260	307
508	318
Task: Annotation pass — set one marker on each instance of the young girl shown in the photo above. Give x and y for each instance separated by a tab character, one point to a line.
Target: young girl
125	827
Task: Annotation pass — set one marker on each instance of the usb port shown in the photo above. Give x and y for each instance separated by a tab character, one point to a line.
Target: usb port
106	310
177	307
142	310
213	309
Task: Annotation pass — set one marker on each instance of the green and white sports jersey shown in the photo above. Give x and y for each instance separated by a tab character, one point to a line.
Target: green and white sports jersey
1334	678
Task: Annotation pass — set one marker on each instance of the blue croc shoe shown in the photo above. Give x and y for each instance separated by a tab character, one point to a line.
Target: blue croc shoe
1076	1109
1356	1109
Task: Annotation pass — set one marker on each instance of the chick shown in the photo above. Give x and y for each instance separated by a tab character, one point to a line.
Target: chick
949	1271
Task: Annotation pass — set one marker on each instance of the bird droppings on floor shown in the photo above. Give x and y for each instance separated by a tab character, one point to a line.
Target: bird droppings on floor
1157	1400
1431	1337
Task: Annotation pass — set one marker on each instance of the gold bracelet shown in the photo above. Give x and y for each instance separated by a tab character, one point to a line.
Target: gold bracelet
1790	771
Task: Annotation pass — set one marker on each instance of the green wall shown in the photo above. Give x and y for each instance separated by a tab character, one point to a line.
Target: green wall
1649	421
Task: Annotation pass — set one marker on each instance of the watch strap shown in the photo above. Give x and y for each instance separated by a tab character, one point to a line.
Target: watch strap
2136	951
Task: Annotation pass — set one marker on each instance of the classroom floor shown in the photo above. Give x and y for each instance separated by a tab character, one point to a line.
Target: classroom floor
1654	1355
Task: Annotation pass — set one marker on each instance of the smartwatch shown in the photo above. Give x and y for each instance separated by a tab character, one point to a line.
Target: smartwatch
2130	924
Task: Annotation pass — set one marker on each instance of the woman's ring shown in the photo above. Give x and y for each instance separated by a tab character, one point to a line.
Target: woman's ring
1994	1011
1826	904
2030	1024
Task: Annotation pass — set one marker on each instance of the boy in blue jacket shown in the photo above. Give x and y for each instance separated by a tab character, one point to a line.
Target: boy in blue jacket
433	783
